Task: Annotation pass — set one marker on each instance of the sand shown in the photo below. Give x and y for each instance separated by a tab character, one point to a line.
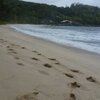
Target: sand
36	69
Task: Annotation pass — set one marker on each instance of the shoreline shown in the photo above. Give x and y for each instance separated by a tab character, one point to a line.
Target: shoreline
59	44
36	68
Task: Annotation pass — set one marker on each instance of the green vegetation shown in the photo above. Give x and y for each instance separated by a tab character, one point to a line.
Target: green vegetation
17	11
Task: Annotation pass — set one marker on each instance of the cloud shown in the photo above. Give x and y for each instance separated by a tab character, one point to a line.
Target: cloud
67	2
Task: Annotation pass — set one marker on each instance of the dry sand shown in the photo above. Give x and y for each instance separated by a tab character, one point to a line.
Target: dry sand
35	69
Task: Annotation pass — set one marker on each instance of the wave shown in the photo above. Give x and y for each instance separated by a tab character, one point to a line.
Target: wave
87	38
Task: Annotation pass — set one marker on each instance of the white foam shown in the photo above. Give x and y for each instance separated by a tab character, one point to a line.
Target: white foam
87	38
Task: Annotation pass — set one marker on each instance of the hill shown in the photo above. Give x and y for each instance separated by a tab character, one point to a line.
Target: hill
16	11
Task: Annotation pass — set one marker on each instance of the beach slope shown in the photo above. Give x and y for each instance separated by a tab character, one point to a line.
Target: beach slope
36	69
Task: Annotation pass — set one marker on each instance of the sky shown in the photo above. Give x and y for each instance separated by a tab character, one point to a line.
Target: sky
67	2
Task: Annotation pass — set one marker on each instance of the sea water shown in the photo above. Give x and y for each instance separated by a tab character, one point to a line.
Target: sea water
87	38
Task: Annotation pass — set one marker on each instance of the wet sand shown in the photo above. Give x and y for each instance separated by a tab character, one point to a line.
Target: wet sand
36	69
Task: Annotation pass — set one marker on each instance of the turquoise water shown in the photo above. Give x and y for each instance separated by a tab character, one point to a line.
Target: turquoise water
87	38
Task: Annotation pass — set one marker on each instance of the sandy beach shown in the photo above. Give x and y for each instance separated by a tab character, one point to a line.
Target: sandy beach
36	69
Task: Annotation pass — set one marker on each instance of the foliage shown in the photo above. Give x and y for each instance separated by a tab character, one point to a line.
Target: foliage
16	11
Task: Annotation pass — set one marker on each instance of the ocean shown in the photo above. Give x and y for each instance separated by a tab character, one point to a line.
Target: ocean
87	38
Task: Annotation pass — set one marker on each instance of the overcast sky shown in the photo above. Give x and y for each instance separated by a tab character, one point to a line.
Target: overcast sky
67	2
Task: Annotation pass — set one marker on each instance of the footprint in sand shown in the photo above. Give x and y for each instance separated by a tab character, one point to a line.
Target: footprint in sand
72	96
12	51
39	54
20	64
53	59
8	46
56	62
91	79
47	65
15	45
23	47
75	71
33	58
69	75
75	85
30	96
35	51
